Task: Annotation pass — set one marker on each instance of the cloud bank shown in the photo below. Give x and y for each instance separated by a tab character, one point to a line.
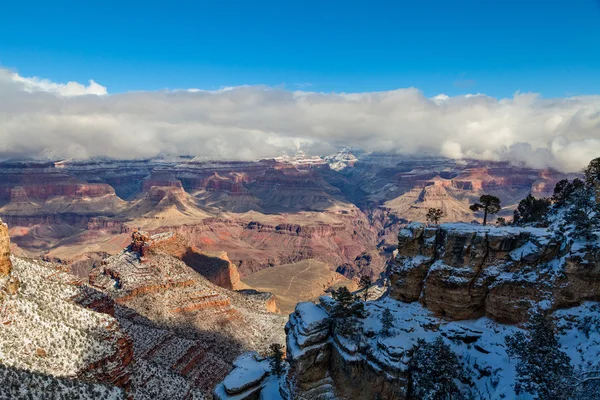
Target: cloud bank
42	118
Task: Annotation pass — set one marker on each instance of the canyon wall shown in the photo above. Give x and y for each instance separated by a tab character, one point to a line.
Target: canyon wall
465	271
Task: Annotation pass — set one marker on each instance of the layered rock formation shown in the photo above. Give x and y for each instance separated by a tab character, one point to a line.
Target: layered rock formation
193	329
262	213
324	363
5	263
465	271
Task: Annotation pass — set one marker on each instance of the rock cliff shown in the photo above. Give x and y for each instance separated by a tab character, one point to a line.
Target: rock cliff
179	321
5	263
324	364
465	271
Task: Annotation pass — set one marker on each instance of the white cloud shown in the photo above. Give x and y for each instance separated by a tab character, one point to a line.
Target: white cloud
39	117
36	84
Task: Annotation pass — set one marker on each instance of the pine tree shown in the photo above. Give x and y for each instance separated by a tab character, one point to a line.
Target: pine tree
564	190
434	215
433	371
531	211
347	307
365	283
489	204
592	172
344	301
387	322
584	213
543	369
276	358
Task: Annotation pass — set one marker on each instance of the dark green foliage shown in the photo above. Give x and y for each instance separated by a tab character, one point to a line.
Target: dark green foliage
592	172
276	358
434	370
532	211
347	305
501	221
434	215
584	215
489	204
365	283
346	308
387	322
563	191
543	369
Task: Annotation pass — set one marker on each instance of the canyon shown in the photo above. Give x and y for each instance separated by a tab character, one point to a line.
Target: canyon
471	286
145	326
168	278
343	210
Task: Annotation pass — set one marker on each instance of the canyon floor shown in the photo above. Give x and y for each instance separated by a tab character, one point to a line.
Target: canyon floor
293	283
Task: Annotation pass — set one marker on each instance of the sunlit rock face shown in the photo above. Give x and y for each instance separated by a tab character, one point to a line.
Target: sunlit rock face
194	329
5	263
463	271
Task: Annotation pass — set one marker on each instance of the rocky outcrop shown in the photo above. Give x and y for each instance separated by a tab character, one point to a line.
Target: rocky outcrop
247	381
465	271
195	328
324	365
140	242
308	344
5	263
366	363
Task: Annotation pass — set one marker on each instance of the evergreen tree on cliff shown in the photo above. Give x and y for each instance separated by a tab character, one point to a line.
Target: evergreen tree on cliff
276	358
592	172
434	370
346	308
563	191
489	204
532	211
543	369
365	283
584	214
434	215
387	322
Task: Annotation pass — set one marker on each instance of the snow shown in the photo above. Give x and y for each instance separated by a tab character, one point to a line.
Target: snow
270	389
312	317
524	251
248	371
495	230
479	343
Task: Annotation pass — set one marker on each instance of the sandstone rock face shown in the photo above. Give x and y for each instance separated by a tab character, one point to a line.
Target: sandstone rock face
190	327
5	263
213	265
324	365
464	271
308	345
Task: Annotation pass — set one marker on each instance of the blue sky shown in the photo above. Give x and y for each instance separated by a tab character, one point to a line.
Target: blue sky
451	47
